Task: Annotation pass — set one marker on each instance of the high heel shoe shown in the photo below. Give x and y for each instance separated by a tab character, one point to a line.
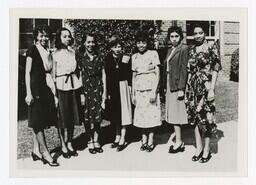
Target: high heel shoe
72	153
98	149
150	148
35	157
52	164
205	159
114	145
121	147
196	158
181	148
143	147
66	154
91	150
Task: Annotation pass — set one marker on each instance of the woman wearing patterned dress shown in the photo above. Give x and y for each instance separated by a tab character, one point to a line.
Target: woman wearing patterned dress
176	67
203	67
118	78
67	83
145	96
91	65
41	96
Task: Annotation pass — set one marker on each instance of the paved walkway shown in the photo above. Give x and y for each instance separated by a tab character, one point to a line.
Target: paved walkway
224	148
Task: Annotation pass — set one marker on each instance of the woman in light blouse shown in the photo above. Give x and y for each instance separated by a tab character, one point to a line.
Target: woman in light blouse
67	83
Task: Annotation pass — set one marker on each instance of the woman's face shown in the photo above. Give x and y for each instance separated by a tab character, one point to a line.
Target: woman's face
142	46
117	50
65	38
90	44
42	38
199	35
175	39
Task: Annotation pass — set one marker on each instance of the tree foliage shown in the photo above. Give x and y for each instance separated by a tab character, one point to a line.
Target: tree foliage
104	29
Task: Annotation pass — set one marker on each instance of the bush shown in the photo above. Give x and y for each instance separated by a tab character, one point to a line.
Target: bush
126	29
234	71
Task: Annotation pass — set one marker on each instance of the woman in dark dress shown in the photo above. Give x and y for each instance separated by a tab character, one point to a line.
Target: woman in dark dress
40	96
118	79
91	65
203	67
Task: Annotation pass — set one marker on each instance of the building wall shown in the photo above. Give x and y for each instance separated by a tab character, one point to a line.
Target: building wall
226	32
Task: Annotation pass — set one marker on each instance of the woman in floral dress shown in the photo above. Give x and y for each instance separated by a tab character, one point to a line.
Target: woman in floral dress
147	113
91	65
203	67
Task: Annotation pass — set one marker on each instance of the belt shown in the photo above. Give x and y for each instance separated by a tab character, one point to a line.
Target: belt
68	76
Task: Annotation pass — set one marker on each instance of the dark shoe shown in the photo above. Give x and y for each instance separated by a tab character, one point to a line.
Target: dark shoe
72	153
181	148
98	149
121	147
91	150
150	148
114	145
196	158
205	159
52	164
35	157
143	147
66	155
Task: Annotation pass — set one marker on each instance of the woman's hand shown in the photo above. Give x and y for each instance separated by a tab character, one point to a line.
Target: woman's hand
103	105
210	95
180	95
82	97
153	97
29	99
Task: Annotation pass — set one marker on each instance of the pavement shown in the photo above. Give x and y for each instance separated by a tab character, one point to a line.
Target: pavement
223	147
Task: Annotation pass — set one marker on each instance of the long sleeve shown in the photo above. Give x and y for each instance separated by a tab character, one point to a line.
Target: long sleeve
183	68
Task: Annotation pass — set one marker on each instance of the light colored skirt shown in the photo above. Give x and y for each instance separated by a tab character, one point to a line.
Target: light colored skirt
146	114
175	110
126	107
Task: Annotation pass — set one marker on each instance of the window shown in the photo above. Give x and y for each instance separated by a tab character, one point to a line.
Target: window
210	28
27	26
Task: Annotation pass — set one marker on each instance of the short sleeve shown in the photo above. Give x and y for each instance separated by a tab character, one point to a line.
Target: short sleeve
30	52
155	57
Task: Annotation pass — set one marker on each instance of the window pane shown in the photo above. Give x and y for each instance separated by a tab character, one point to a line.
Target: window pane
55	24
26	41
41	22
26	25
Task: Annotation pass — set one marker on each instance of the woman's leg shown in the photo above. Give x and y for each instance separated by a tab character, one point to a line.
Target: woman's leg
36	147
118	132
144	136
62	140
70	132
150	136
208	134
41	140
123	133
96	135
199	145
178	142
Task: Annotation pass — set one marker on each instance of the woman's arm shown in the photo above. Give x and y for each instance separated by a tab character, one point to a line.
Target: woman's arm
133	87
104	94
29	97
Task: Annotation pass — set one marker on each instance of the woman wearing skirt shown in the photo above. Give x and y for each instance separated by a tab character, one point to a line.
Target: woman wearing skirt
176	69
67	83
118	79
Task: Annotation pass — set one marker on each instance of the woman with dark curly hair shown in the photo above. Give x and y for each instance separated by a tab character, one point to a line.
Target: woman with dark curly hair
40	98
203	67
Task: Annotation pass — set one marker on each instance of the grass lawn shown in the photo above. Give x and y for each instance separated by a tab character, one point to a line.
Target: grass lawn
226	105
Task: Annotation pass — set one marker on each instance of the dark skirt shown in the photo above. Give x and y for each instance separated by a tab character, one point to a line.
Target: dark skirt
68	109
42	113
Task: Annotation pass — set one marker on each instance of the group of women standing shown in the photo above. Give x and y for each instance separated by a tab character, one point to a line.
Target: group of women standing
64	83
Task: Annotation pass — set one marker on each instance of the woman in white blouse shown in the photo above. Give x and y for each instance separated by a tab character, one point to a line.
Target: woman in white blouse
66	83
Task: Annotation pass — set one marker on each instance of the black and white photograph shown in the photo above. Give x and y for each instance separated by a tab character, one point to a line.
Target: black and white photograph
129	95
